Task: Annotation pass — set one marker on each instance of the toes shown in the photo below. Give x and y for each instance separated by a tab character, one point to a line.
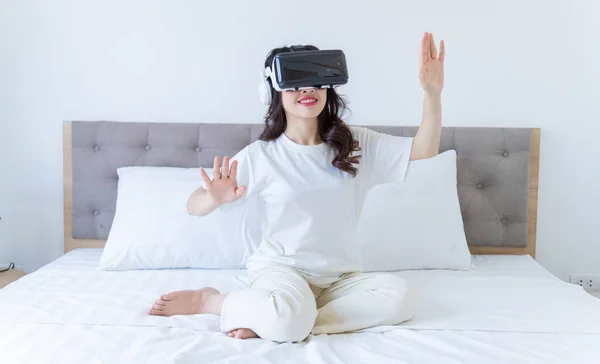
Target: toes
238	334
155	312
234	333
167	297
158	308
242	334
248	334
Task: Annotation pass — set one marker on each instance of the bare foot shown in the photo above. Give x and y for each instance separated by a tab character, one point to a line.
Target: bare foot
242	334
191	302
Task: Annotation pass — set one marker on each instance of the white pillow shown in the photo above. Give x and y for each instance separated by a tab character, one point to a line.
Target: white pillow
152	229
416	224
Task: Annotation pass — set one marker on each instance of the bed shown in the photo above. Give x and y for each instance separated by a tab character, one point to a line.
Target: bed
507	309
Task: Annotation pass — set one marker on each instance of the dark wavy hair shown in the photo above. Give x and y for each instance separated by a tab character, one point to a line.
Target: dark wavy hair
332	129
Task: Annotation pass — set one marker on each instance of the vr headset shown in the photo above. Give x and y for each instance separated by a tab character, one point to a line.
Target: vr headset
303	69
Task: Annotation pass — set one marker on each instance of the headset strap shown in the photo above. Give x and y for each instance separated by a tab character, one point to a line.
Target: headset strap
296	48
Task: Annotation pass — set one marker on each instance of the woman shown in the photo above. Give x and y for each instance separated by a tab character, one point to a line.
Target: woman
310	172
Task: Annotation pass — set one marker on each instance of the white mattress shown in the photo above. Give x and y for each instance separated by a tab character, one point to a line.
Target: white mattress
508	309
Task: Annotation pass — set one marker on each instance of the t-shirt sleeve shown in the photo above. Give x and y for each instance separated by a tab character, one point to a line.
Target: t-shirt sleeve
385	157
245	177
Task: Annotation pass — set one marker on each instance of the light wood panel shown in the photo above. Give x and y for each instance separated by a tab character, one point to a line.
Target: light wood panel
10	276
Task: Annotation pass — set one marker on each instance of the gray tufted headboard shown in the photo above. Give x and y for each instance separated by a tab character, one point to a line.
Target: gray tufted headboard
497	173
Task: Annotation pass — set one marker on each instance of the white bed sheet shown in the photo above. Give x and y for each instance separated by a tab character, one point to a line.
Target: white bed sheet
508	309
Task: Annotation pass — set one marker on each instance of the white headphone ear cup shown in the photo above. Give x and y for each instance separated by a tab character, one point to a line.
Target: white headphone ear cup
264	90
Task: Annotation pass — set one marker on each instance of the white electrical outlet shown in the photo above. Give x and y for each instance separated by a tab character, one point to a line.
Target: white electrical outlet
587	281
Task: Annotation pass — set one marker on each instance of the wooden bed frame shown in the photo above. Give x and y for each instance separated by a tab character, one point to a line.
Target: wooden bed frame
71	243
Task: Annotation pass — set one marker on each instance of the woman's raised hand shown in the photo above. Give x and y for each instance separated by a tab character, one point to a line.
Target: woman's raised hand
223	187
431	65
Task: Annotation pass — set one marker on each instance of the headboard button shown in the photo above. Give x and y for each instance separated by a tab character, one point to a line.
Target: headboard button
97	148
96	213
505	154
148	148
198	149
479	185
504	220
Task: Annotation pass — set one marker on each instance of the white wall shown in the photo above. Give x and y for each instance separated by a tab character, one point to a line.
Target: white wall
509	63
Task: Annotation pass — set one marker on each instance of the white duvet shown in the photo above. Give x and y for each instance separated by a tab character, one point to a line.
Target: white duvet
506	310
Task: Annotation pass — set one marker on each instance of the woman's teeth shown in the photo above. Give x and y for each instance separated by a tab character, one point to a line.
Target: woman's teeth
307	101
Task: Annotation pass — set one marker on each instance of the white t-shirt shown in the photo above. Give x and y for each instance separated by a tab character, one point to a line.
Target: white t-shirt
309	207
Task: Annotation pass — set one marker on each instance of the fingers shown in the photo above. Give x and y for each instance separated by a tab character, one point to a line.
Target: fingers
216	167
428	46
233	170
225	167
432	48
424	50
221	171
205	176
239	192
429	50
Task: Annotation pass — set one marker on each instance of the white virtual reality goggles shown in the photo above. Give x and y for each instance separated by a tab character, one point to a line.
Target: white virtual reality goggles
303	69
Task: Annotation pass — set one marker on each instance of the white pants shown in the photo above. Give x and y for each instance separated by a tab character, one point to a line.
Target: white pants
281	306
